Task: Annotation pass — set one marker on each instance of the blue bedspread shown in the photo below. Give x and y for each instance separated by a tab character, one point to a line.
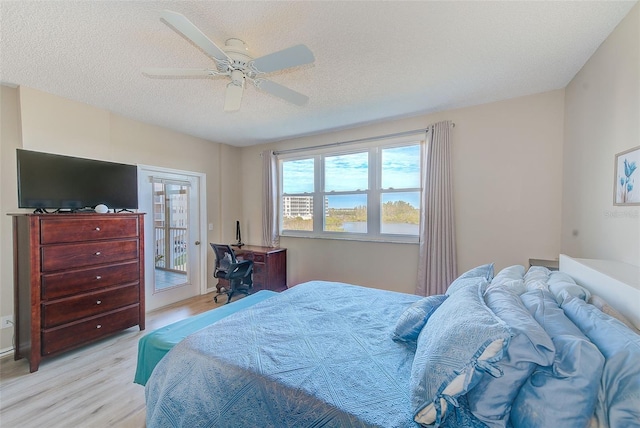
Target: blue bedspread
155	345
318	354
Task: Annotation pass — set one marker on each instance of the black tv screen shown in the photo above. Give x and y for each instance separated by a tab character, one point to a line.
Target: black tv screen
48	181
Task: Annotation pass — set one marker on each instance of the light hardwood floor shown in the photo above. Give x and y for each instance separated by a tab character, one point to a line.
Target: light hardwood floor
88	387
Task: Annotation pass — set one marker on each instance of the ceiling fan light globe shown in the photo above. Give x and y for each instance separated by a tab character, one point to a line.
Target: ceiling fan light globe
237	78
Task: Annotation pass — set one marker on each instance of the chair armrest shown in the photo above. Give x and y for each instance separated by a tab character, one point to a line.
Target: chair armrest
240	269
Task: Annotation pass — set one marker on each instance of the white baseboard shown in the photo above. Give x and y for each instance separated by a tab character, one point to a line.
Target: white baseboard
6	352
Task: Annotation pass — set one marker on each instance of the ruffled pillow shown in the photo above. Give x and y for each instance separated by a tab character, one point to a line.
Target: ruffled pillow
530	346
461	340
470	277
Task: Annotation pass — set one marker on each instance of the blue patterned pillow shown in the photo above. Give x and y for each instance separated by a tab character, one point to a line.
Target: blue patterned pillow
461	340
415	317
564	394
470	277
619	395
529	347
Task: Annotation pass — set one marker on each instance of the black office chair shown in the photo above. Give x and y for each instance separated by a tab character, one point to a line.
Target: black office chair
237	272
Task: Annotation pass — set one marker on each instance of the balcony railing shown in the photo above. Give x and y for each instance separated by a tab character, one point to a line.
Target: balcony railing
171	251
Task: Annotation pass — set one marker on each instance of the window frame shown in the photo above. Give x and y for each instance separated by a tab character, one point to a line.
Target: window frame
374	193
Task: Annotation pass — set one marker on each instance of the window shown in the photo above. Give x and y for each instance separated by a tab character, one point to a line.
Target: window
346	185
400	190
365	192
297	190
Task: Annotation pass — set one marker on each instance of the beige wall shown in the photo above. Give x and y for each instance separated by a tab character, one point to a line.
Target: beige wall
507	192
602	111
57	125
9	140
39	121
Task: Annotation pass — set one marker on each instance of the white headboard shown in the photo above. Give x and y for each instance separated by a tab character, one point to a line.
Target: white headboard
617	283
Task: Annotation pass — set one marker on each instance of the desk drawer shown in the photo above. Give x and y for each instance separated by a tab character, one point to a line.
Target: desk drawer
250	255
88	304
80	332
61	230
259	273
58	257
56	285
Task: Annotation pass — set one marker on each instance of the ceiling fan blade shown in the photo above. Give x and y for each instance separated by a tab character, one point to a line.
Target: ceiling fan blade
286	58
178	72
233	97
282	92
185	27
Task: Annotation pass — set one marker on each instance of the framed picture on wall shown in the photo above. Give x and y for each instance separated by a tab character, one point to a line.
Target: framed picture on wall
626	189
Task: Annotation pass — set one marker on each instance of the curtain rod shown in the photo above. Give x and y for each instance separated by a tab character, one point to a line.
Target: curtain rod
359	140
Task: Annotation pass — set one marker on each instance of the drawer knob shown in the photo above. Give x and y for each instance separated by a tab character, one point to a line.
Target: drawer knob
98	229
98	326
98	302
98	253
98	277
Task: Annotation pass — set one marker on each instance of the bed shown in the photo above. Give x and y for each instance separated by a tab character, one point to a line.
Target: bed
518	348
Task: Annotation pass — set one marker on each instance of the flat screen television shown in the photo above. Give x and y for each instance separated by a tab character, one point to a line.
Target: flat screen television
56	182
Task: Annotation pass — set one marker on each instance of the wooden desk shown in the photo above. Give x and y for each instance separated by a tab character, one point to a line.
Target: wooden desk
269	267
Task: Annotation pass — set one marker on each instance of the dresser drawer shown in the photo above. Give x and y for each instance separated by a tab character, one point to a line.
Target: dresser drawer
70	256
61	230
56	285
88	304
80	332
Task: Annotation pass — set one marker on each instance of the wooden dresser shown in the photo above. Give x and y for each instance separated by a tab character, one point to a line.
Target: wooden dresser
77	278
269	267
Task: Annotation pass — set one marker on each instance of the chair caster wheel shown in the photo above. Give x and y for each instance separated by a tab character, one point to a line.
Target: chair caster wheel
215	299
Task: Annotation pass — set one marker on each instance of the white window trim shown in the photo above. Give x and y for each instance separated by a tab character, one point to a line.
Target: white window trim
374	192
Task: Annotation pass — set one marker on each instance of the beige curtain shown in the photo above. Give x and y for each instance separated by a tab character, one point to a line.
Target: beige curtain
270	236
437	255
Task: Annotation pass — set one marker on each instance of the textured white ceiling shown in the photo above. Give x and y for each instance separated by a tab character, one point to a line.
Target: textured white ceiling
374	60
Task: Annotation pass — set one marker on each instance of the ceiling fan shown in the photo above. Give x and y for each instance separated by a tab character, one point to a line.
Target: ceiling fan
234	62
